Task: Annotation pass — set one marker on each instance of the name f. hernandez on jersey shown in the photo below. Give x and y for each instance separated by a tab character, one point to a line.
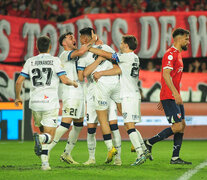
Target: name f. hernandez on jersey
43	70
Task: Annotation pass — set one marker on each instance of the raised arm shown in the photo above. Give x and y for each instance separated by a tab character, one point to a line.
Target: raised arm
84	48
168	81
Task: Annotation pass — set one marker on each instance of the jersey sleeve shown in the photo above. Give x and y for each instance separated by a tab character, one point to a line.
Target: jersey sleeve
58	67
168	61
107	48
25	70
117	57
81	65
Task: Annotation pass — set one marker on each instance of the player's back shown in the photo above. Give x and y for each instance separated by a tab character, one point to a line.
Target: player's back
43	71
129	64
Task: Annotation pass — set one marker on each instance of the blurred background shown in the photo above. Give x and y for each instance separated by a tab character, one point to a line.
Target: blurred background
151	21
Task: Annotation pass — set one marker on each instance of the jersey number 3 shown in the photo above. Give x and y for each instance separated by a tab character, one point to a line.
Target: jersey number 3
36	79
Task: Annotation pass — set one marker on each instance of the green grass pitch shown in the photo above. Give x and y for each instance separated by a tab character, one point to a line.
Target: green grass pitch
18	161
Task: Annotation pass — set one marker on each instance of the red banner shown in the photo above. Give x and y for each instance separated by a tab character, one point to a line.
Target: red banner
153	31
193	85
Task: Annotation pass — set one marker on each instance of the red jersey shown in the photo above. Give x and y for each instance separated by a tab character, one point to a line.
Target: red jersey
172	59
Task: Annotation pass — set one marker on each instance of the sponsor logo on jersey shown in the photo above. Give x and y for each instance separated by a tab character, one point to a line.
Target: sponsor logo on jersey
170	57
179	115
135	117
102	103
46	97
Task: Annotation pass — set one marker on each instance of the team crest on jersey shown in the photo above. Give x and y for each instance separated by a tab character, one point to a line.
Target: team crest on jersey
170	57
179	115
124	115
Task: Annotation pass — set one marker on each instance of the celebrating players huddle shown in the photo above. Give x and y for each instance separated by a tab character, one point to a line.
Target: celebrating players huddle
112	80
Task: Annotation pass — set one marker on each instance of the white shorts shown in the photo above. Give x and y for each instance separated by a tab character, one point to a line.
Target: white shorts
46	118
104	92
73	108
131	109
91	116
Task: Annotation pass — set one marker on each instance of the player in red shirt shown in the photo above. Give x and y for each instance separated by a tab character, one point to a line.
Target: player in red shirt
171	101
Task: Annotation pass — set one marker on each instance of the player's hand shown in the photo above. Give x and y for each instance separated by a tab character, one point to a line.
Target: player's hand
18	101
96	76
94	36
159	106
178	99
75	84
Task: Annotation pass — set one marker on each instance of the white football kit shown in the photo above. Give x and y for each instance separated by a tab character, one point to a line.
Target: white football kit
84	61
43	71
131	99
73	98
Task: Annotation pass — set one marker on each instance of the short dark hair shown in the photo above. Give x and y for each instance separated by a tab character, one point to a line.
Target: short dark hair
131	41
86	31
180	31
43	44
63	36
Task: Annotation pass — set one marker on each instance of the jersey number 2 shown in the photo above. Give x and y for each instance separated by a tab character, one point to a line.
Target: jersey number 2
135	70
36	79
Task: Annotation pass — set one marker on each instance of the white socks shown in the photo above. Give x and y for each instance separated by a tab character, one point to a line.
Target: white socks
45	138
72	139
141	141
117	142
58	134
135	141
91	141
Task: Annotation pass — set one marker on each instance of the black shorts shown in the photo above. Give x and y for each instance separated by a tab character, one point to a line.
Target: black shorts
174	112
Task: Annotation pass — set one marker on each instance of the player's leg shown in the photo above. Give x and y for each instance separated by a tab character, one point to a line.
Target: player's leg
92	122
49	122
60	131
91	142
171	114
102	93
131	116
178	139
77	112
115	131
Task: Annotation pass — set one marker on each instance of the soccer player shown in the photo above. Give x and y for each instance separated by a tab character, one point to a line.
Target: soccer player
171	101
73	98
128	68
106	89
44	72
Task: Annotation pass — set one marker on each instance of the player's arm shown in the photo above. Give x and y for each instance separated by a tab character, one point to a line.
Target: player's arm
168	81
111	72
84	48
89	69
101	52
18	88
64	79
80	75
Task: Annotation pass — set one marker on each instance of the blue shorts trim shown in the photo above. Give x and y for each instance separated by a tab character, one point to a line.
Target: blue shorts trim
174	112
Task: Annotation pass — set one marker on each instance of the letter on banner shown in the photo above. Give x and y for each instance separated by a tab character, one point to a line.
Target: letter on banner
198	36
4	42
166	33
116	34
100	24
147	21
31	30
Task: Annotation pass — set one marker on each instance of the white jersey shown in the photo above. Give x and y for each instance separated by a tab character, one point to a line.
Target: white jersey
70	66
129	65
43	71
88	58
